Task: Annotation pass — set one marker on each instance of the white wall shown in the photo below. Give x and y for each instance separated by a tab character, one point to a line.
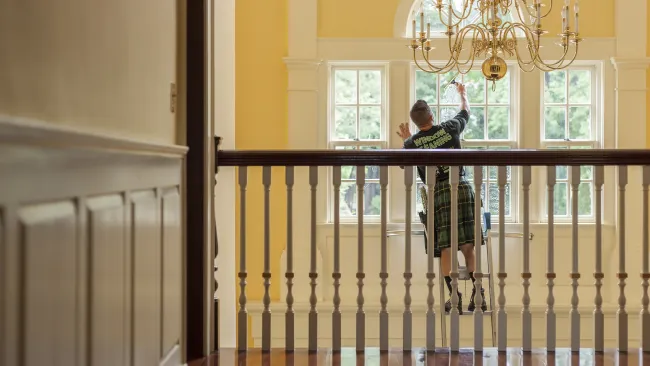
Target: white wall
224	126
103	66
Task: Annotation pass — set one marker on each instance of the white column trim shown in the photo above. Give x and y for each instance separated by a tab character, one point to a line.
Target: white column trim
626	63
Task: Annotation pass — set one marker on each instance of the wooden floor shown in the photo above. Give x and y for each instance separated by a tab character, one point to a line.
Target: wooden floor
372	357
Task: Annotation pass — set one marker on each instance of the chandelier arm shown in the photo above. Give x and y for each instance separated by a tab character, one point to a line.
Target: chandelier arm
432	67
559	65
465	9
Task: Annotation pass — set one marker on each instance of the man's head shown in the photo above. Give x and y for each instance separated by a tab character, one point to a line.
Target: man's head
421	114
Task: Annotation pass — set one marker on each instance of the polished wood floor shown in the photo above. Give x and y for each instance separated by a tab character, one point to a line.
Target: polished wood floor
372	357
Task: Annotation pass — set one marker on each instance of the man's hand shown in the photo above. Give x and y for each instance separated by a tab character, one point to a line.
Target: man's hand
404	131
460	88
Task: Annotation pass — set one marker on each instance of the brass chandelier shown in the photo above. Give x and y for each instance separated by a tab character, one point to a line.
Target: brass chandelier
493	36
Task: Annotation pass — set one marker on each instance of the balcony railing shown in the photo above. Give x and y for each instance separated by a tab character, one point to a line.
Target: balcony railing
635	162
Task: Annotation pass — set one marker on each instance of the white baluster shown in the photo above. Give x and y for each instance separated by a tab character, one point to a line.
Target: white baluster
502	316
551	333
575	274
361	315
266	313
599	316
383	299
621	313
454	341
478	273
242	315
289	316
313	271
336	315
407	334
526	316
645	300
431	314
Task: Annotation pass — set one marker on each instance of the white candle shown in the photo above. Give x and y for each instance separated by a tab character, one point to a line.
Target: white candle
539	13
422	22
449	16
414	37
428	30
576	9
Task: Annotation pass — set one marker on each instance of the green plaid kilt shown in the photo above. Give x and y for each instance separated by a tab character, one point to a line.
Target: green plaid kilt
442	217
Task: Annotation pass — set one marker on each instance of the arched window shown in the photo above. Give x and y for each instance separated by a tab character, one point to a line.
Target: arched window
433	16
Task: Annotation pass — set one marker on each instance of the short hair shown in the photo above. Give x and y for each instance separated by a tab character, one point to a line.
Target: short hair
421	113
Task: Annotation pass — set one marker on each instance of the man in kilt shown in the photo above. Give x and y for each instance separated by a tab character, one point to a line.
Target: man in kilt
446	135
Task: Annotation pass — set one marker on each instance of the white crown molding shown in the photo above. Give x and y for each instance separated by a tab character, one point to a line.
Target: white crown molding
623	63
302	64
19	130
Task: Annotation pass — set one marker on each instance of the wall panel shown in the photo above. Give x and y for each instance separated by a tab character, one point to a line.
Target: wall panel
48	292
172	270
146	247
82	236
107	264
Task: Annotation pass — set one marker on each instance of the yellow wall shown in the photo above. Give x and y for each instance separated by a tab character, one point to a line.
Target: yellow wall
261	123
647	104
375	18
103	66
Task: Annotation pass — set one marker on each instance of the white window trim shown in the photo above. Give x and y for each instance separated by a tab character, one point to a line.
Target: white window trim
382	143
597	127
514	143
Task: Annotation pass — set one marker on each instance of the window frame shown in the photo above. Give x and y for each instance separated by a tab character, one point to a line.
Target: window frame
596	141
514	142
332	144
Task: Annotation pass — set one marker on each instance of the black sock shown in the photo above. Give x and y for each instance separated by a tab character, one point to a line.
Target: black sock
471	277
448	281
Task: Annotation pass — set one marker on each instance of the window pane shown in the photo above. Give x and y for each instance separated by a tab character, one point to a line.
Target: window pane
345	123
448	97
580	123
586	172
555	123
500	94
475	86
494	172
348	199
579	86
447	113
418	198
426	86
431	15
494	200
370	87
372	203
560	199
475	129
498	123
345	86
370	123
555	87
585	193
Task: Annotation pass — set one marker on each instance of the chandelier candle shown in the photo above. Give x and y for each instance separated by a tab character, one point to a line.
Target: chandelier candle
492	37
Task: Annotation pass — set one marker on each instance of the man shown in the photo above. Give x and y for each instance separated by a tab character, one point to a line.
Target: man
446	136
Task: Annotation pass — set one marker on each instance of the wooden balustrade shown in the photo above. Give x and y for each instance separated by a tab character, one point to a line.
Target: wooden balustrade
574	159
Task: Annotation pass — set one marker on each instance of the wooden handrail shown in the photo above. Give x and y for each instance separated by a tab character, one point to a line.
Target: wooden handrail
397	157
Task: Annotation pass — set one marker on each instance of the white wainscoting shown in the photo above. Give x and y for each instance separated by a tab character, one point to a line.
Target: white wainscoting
91	248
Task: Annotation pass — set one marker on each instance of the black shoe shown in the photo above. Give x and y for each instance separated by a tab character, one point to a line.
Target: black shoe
472	305
460	304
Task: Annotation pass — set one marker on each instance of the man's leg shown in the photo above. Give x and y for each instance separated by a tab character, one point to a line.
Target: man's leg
445	264
470	262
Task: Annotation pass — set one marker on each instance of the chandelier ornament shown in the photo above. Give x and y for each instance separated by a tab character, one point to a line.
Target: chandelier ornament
493	39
